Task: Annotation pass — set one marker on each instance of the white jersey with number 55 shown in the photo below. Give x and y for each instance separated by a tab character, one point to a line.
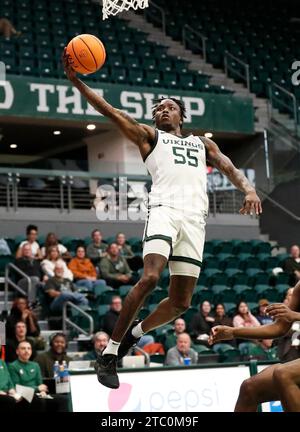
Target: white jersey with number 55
178	170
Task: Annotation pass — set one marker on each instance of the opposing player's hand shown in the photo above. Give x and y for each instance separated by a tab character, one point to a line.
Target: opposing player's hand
251	204
281	311
67	63
219	333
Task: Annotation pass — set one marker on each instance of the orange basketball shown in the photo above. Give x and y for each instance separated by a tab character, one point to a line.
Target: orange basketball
87	53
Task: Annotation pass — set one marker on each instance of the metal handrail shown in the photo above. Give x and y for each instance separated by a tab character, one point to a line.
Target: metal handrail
145	354
66	320
202	37
162	12
277	204
246	66
291	95
8	282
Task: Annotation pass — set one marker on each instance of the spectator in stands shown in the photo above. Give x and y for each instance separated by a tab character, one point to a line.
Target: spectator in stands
114	268
60	290
182	350
28	373
285	350
292	264
134	262
7	29
52	258
97	249
32	268
171	339
244	317
220	316
31	234
12	343
201	323
21	311
110	319
57	352
52	240
100	342
7	390
84	272
262	317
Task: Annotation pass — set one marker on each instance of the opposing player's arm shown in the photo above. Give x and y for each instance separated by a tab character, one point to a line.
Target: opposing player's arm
142	135
237	178
284	317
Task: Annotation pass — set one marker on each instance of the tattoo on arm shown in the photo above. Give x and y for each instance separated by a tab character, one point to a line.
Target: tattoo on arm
225	165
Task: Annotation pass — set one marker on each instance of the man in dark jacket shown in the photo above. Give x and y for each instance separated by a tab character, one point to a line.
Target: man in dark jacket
57	352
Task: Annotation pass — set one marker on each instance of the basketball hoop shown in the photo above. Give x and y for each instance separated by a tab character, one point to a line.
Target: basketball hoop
113	7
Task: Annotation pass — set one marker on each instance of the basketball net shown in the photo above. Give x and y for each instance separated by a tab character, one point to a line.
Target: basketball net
113	7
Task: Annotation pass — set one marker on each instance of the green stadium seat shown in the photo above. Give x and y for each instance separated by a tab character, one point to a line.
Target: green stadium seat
202	296
143	313
239	289
250	350
157	296
98	291
261	288
211	263
228	296
102	309
282	288
249	296
202	349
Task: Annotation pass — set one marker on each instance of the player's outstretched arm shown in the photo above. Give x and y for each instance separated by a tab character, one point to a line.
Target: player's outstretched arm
268	331
284	317
142	135
224	164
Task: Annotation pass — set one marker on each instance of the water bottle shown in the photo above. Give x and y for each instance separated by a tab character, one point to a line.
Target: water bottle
66	372
56	370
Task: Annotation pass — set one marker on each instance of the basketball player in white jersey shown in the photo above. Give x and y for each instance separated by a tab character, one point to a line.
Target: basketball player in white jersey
175	228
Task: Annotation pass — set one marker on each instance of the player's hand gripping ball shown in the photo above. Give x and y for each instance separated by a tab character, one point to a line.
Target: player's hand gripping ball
86	53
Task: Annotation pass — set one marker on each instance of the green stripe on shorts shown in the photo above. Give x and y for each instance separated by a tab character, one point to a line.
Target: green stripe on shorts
159	237
186	259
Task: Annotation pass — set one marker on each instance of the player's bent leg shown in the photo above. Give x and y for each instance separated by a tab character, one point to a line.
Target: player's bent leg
179	300
286	378
106	363
257	389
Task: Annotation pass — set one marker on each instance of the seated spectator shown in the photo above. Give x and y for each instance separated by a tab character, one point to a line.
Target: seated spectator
84	272
201	323
32	268
57	352
220	316
182	350
31	234
97	249
7	29
292	264
111	317
7	390
60	290
100	342
134	262
28	373
262	317
114	268
171	339
12	343
51	240
244	317
52	258
21	311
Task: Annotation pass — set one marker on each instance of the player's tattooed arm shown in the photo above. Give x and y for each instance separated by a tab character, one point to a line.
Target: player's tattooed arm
238	179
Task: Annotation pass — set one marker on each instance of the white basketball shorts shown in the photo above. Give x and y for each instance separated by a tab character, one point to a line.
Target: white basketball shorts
177	235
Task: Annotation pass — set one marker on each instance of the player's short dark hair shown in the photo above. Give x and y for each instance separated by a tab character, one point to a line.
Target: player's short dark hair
177	101
30	228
